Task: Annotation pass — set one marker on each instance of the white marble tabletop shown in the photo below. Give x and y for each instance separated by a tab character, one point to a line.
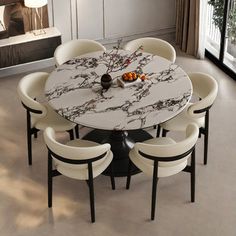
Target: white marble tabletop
74	91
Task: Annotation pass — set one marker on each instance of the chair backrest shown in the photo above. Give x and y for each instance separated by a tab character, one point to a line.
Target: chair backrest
206	88
171	152
155	46
71	154
29	88
73	48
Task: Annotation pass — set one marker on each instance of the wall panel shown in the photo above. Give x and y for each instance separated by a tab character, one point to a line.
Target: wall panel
129	17
111	19
90	19
62	18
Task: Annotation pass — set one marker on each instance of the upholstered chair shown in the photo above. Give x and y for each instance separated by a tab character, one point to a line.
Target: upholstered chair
205	88
74	48
154	46
39	115
163	157
77	159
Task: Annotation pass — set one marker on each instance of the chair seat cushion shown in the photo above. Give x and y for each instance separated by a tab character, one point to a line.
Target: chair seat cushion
164	168
52	119
181	121
81	171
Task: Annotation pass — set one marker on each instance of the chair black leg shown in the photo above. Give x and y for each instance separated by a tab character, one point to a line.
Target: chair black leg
77	131
200	134
205	148
113	186
206	133
36	134
128	175
29	141
29	138
71	133
50	176
91	192
164	132
158	131
154	188
193	176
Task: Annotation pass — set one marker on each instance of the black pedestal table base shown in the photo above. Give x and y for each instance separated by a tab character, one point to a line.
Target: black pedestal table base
121	143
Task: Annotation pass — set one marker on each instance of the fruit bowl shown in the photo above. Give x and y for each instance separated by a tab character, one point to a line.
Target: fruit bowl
132	76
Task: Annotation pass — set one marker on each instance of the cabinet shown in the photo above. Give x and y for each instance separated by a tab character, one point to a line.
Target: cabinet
29	47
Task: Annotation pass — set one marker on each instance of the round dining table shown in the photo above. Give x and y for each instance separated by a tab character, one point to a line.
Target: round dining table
118	115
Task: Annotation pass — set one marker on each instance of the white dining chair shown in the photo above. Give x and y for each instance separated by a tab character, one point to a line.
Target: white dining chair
154	46
74	48
163	157
77	159
39	115
205	88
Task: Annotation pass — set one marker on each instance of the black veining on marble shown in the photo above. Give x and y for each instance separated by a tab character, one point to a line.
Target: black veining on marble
141	114
92	79
111	62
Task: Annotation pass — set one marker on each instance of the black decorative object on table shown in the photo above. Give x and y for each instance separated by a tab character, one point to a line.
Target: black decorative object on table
106	81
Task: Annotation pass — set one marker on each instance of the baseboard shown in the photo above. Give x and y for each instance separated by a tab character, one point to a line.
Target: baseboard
26	67
167	34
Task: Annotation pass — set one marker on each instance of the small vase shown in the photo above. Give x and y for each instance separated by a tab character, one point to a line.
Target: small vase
106	81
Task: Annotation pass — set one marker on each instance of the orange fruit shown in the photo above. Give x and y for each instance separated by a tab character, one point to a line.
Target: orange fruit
134	76
130	75
124	76
143	77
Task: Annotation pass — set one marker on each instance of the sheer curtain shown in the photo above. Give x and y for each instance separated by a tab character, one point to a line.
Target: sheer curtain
202	29
190	26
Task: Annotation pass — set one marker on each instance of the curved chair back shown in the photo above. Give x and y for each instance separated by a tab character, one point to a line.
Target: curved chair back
170	152
74	157
73	48
164	157
155	46
84	161
206	88
30	87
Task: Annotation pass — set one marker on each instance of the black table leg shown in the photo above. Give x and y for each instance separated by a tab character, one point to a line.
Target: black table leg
121	143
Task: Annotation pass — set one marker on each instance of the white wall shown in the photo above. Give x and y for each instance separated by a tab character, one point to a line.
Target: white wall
90	19
125	18
61	16
109	20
